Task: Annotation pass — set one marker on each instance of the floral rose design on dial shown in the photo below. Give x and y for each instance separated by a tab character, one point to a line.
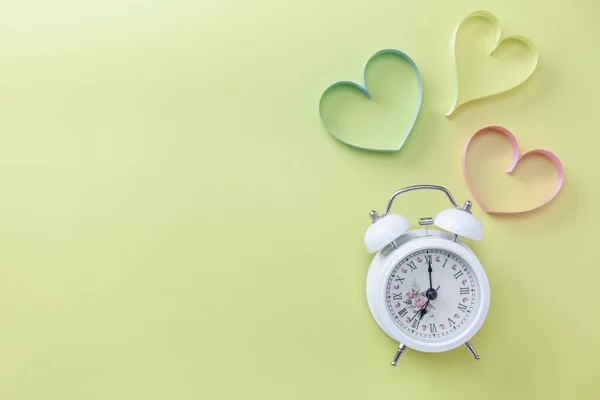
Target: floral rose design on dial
416	299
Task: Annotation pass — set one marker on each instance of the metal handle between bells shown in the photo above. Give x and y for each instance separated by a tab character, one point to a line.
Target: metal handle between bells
419	187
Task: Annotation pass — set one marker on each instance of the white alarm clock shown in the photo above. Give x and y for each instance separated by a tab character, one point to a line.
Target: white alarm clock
425	288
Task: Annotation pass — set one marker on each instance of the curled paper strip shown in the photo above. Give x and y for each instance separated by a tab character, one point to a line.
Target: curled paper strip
402	136
516	158
496	24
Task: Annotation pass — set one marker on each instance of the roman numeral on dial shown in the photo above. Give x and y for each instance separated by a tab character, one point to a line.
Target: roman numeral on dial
428	259
458	274
397	296
402	312
399	279
412	265
464	290
451	322
432	328
462	307
415	323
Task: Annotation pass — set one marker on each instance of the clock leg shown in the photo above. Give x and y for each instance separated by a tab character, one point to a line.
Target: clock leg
399	352
472	350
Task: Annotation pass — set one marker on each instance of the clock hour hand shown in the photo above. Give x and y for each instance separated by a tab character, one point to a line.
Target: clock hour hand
421	312
424	309
417	313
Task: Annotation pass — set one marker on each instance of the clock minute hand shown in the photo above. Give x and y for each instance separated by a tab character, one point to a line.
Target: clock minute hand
430	270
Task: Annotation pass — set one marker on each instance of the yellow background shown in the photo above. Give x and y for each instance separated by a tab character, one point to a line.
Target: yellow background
176	223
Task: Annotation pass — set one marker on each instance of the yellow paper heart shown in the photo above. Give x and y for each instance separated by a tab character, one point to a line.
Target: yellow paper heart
496	24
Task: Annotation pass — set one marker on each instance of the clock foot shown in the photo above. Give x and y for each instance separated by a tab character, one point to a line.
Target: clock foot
472	350
399	352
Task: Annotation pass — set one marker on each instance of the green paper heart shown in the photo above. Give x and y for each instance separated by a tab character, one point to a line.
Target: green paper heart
363	143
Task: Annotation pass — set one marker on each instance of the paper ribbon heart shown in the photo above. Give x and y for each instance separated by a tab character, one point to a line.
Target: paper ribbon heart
516	158
494	21
402	135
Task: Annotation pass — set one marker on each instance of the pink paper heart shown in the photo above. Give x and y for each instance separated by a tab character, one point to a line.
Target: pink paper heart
516	158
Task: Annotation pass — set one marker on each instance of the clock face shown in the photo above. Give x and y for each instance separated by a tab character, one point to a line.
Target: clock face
432	311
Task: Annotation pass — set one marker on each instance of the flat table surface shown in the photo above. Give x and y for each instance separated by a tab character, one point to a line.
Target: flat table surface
176	223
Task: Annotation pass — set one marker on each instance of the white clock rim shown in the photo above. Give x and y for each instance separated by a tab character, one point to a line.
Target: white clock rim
477	320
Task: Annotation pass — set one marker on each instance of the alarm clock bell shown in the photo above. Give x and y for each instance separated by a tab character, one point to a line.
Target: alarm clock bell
461	222
386	228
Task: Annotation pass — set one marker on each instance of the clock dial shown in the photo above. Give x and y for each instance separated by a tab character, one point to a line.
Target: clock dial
430	317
